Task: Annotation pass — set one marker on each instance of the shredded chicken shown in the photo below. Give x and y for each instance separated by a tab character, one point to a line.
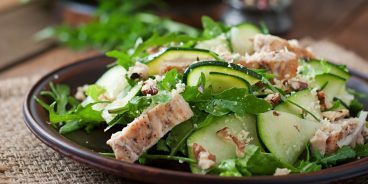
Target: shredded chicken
275	54
205	159
335	115
267	43
332	136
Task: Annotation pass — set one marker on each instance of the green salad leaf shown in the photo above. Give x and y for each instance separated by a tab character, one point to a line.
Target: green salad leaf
212	28
95	91
81	113
231	100
254	162
361	150
343	154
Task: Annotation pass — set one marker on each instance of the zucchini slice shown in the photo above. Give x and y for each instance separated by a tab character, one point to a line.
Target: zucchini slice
334	87
321	67
175	54
221	75
220	82
211	142
220	42
285	135
240	37
305	99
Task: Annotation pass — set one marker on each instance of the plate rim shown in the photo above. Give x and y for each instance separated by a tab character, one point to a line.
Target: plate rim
131	170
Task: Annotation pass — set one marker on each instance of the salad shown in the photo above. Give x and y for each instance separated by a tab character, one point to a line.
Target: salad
235	101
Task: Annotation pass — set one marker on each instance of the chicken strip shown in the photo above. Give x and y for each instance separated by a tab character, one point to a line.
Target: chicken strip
147	129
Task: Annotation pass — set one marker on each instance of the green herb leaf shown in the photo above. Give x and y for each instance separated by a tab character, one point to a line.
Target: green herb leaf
361	150
122	58
231	100
306	167
343	154
95	91
169	80
260	163
81	114
211	28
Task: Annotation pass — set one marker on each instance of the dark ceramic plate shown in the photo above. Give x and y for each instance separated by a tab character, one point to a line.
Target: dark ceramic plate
84	147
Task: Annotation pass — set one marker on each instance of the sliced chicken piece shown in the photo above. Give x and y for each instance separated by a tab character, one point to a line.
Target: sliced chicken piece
335	115
147	129
283	64
269	43
279	56
332	136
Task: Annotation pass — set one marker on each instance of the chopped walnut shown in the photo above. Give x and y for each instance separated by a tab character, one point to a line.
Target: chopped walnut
273	99
295	85
323	100
205	159
239	142
149	87
335	115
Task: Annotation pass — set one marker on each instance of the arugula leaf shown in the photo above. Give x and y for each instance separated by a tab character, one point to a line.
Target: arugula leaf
306	167
254	162
170	80
60	94
355	107
123	18
122	58
82	114
260	163
361	150
157	40
343	154
95	91
228	168
211	28
230	100
70	126
161	146
161	97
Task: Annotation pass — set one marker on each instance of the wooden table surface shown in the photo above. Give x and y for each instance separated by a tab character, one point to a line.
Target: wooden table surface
344	22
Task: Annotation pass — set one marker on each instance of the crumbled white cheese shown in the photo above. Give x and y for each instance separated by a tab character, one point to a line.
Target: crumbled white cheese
282	172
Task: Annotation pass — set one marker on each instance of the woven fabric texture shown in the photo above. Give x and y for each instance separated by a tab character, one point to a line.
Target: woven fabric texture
24	159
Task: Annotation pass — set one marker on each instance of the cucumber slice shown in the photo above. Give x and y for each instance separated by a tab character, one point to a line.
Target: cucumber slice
240	37
334	87
321	66
229	71
113	81
220	82
222	149
120	103
305	99
179	55
285	135
220	42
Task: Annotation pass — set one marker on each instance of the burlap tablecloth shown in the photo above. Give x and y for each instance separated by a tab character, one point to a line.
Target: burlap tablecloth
24	159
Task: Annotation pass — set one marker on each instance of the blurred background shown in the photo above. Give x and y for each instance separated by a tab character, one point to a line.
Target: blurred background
37	36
